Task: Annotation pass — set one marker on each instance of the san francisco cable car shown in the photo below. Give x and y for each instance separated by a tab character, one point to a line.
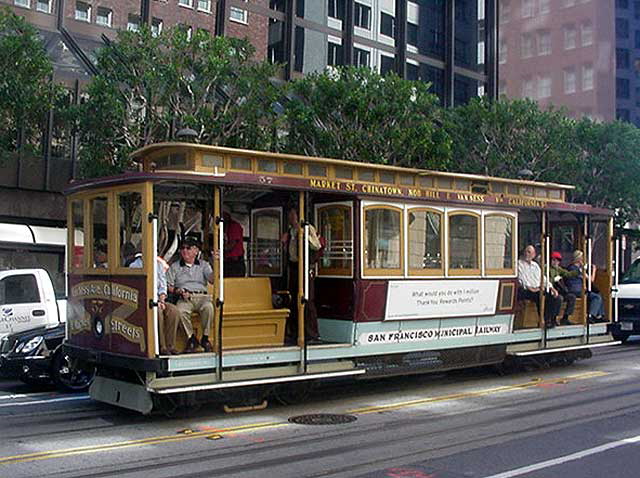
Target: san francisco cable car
417	271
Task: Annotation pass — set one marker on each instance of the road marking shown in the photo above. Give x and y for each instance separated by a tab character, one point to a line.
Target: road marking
40	402
44	455
563	459
478	393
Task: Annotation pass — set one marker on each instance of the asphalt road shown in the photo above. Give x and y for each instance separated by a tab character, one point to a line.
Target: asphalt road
576	421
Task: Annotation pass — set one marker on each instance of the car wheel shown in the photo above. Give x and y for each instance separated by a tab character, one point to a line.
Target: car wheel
69	376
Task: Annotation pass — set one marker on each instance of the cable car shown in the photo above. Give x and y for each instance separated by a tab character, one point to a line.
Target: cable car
416	271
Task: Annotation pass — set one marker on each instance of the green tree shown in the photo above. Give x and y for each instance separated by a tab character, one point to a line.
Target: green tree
148	87
605	169
355	114
26	89
504	137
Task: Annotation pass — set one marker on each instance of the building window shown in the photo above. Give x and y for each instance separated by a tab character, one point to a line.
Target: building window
637	45
335	55
387	24
636	9
622	58
499	247
569	37
412	34
464	244
569	81
22	3
83	12
586	33
104	16
544	43
587	77
387	64
526	45
545	7
204	5
544	87
156	26
133	23
527	88
238	15
336	9
622	28
362	16
622	88
43	6
568	3
425	242
361	57
528	8
383	241
505	11
502	51
186	3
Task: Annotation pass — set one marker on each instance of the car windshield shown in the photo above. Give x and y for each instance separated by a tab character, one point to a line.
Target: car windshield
632	276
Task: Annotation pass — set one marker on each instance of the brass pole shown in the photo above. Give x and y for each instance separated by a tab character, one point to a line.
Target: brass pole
301	269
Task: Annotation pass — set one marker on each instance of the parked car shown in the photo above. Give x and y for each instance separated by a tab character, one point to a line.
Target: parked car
628	294
36	356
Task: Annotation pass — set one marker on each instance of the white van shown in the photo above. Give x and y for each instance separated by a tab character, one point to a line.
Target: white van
628	294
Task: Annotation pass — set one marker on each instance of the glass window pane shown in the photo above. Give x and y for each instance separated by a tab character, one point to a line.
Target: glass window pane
387	178
463	241
22	289
293	168
366	175
266	248
77	218
498	249
212	161
425	243
334	223
317	170
383	244
344	173
99	229
130	226
241	163
267	165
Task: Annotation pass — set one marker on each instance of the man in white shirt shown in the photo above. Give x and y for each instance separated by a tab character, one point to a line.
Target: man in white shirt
530	278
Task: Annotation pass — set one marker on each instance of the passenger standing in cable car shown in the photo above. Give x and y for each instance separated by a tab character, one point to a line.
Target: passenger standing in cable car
187	279
596	305
234	265
290	242
530	278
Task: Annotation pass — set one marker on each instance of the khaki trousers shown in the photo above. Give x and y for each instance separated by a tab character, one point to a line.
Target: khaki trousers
168	326
203	306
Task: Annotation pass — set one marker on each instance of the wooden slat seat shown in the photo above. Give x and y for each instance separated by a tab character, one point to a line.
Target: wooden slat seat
249	318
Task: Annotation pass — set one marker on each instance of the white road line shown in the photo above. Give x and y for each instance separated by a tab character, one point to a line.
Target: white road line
40	402
566	458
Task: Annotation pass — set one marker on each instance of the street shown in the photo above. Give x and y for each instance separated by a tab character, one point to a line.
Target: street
581	420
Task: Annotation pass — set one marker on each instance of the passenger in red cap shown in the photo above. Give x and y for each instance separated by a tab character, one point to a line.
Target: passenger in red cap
557	275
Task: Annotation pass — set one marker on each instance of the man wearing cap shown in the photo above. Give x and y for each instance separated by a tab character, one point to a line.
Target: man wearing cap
559	277
188	279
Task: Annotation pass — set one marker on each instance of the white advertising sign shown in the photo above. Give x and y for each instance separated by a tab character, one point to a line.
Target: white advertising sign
436	299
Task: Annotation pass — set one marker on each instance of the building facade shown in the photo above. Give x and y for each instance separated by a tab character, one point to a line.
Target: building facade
576	54
450	43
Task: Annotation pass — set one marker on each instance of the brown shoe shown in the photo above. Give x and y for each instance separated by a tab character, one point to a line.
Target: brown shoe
206	345
192	343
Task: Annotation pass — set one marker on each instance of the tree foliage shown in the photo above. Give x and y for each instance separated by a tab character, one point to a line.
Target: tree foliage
504	137
148	87
26	89
355	114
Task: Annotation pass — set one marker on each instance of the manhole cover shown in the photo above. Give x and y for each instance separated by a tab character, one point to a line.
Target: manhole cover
323	419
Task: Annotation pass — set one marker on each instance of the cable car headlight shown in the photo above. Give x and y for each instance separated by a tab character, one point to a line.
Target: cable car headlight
30	345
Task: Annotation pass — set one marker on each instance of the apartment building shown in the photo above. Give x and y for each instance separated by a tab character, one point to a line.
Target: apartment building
450	43
563	53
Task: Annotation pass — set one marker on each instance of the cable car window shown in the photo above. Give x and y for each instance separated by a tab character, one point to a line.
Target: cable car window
99	233
130	227
425	242
292	168
499	254
267	166
343	173
317	170
426	182
383	241
244	164
387	177
77	234
463	244
211	161
366	175
444	183
266	248
335	227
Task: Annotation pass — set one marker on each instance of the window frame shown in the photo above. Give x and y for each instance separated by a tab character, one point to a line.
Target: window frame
370	272
119	268
427	272
252	234
514	244
479	244
89	11
336	272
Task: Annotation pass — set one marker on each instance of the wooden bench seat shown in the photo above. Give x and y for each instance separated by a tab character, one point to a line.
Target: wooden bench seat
249	319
